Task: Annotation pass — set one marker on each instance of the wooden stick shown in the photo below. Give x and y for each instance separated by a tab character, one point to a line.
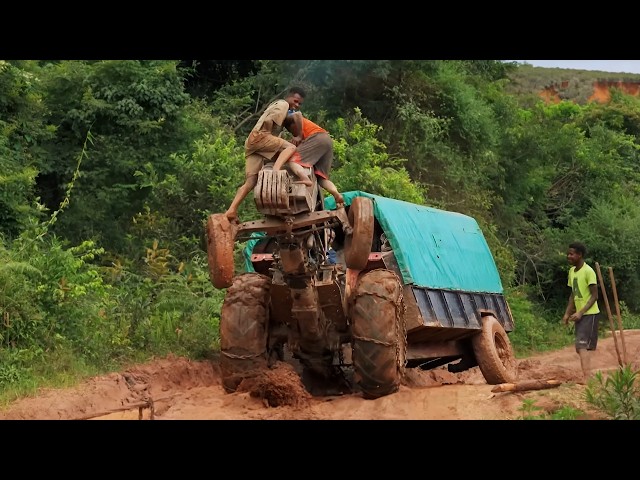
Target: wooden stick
526	385
140	406
606	302
615	300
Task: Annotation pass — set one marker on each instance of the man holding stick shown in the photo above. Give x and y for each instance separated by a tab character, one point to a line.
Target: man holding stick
582	307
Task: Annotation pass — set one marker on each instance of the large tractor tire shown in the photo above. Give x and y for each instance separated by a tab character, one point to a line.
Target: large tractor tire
379	336
221	235
494	353
357	246
243	329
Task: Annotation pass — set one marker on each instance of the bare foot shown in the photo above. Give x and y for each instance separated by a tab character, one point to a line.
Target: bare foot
339	198
306	181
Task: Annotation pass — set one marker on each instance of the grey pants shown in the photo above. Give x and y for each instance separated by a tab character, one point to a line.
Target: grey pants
587	332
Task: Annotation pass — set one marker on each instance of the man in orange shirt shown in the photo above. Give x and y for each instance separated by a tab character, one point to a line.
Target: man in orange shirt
314	150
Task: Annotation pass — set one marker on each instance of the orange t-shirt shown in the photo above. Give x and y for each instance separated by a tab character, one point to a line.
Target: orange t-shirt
309	128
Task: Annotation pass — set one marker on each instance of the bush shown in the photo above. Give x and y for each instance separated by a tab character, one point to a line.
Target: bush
618	396
535	329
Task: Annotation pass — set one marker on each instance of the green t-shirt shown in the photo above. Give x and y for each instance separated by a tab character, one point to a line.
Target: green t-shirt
579	282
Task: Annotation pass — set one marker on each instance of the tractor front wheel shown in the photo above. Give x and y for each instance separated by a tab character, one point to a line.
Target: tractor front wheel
357	245
221	235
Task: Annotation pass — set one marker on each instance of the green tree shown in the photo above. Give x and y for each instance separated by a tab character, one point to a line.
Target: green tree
23	128
203	181
362	163
133	110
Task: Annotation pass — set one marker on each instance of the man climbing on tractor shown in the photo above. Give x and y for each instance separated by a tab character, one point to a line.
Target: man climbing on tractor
264	143
314	150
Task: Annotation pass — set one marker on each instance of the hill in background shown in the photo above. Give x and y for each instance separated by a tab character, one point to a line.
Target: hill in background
580	86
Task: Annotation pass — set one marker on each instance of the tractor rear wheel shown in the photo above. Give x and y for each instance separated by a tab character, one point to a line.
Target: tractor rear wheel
379	337
243	329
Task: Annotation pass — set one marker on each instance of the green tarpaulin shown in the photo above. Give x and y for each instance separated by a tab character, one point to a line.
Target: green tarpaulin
434	248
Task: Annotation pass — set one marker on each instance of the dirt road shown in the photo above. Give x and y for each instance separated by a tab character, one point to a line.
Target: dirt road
175	388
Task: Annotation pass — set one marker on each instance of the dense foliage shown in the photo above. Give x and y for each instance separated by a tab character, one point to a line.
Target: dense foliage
110	168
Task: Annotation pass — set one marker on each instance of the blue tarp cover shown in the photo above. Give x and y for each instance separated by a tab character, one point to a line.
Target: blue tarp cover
434	248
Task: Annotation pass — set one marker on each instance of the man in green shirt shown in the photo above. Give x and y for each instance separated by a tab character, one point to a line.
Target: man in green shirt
582	307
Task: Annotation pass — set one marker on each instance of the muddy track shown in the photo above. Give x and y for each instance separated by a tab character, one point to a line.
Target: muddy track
177	389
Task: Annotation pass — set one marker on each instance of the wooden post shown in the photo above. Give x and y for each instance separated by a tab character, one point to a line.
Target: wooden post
609	316
526	385
615	300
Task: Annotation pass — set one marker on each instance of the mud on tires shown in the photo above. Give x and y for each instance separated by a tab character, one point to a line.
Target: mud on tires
243	329
357	246
494	353
379	338
221	235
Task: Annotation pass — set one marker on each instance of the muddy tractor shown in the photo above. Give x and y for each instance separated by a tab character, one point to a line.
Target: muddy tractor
355	293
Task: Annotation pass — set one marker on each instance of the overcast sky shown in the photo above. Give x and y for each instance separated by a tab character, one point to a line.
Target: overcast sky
615	66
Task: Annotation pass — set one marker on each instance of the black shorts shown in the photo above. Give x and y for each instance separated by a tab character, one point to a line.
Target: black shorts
587	332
